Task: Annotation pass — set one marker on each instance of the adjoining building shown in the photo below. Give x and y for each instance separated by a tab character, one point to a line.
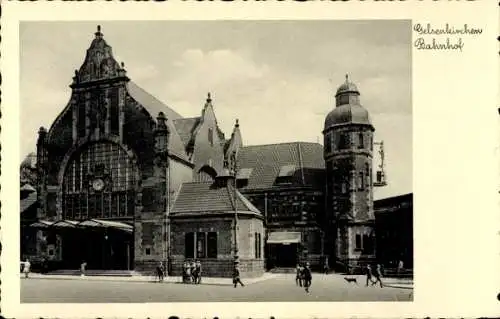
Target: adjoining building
394	225
124	182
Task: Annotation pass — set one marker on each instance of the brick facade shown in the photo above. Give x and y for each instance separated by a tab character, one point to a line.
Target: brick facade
222	266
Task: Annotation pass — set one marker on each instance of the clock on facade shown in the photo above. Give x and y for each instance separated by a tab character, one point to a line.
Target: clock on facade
98	184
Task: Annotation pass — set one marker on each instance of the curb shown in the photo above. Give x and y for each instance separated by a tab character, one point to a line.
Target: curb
399	286
227	282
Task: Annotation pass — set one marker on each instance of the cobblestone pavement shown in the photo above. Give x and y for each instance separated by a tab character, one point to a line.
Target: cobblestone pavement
276	288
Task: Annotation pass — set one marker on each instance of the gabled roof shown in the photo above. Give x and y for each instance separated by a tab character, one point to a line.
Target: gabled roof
266	162
153	106
199	198
151	103
185	127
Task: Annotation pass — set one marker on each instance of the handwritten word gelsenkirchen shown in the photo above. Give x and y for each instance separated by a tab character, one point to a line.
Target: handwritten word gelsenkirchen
447	29
420	44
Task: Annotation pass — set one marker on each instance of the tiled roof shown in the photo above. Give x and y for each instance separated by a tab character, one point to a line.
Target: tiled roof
195	198
266	162
153	106
185	127
27	202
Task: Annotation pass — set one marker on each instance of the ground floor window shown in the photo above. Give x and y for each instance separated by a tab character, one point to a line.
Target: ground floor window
365	243
200	245
258	245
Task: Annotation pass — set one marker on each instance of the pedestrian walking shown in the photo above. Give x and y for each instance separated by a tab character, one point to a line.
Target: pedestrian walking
298	276
160	271
198	272
378	276
192	265
188	272
27	268
83	268
307	277
236	276
326	267
369	275
400	267
184	272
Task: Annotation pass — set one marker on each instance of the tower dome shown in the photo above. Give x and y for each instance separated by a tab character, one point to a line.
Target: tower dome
348	110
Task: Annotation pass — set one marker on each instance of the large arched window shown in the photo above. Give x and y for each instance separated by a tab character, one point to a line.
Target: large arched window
206	174
99	182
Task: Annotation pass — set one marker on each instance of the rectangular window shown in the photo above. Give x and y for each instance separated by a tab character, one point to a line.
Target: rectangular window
361	141
361	181
328	142
212	245
211	136
81	118
114	112
259	246
189	245
200	245
256	241
367	244
358	242
147	234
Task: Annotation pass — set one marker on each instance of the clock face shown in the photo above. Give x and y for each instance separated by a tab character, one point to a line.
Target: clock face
98	184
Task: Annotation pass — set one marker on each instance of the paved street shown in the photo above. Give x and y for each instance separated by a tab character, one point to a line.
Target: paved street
279	288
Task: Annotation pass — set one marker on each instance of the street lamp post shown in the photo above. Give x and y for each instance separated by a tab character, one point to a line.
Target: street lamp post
234	171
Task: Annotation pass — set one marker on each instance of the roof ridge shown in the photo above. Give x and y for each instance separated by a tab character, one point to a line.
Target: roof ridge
282	143
231	199
187	118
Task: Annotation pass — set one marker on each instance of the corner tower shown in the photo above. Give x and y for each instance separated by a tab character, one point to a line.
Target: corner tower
348	147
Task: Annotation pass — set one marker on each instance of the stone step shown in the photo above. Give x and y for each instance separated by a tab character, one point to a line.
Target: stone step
94	272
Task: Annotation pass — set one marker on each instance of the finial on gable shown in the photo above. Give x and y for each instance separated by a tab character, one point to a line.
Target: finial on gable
209	98
98	34
237	123
347	78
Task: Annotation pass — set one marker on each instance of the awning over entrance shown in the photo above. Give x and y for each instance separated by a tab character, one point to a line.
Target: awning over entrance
284	237
98	223
106	224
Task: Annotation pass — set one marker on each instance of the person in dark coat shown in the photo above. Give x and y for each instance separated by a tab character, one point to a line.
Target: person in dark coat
298	276
160	271
198	272
236	276
369	275
378	276
307	277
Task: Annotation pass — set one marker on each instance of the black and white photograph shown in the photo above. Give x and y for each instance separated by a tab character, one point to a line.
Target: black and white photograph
210	161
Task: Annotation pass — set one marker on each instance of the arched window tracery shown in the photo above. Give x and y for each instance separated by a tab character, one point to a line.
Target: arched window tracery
99	182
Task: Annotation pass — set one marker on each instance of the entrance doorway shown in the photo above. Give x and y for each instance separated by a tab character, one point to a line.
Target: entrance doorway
101	249
284	255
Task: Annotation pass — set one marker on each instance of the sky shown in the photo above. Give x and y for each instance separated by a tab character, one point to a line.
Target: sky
277	77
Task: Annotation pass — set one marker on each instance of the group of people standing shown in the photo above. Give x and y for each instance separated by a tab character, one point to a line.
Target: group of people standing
191	272
303	277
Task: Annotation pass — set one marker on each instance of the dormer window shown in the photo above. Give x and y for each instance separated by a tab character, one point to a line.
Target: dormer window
286	174
243	176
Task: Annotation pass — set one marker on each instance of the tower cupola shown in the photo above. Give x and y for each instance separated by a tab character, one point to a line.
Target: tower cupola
348	109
